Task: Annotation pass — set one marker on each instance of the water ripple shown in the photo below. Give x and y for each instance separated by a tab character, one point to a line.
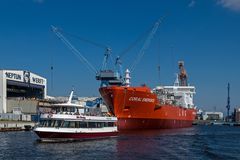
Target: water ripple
198	142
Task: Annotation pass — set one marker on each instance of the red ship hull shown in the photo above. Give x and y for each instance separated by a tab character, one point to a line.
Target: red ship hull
140	123
139	108
73	136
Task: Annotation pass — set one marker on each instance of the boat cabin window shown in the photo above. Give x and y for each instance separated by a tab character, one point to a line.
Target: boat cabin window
83	124
74	124
58	109
58	123
108	124
42	123
52	123
91	125
64	109
72	109
47	123
100	124
68	109
65	124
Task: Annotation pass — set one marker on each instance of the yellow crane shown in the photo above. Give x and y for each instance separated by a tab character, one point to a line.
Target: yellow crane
182	74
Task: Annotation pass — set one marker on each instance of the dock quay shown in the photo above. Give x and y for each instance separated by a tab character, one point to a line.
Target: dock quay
15	125
219	122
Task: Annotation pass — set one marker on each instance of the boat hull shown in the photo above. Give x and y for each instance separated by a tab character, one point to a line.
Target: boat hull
139	108
61	136
141	123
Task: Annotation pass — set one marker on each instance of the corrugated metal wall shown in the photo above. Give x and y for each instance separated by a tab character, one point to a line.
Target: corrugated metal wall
28	106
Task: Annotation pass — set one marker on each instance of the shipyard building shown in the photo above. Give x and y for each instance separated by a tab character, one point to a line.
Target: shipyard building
20	91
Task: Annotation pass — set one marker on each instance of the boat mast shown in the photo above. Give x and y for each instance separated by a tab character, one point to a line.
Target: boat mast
70	98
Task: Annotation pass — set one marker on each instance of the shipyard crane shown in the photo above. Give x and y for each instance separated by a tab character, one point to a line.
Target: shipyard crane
73	49
228	100
107	53
117	76
105	75
182	74
146	44
118	61
118	64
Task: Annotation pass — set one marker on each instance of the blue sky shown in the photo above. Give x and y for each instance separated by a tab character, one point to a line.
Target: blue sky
205	34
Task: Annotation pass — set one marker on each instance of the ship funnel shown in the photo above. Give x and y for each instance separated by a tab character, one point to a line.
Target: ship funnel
70	98
127	78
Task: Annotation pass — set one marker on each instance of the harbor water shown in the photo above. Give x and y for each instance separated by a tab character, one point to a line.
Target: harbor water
198	142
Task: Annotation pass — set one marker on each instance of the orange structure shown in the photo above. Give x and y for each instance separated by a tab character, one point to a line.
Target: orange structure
139	108
145	108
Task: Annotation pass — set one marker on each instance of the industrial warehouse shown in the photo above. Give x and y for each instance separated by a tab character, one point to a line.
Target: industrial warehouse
23	95
19	92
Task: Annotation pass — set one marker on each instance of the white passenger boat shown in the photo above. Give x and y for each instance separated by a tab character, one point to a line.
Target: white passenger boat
64	123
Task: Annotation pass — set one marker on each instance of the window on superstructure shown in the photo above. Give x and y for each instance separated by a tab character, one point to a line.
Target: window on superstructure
72	109
53	123
102	124
72	124
41	123
83	124
91	124
110	124
64	109
77	125
44	123
49	122
58	123
99	124
105	124
65	124
58	110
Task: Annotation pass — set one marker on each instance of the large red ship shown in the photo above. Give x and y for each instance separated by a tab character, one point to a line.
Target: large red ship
145	108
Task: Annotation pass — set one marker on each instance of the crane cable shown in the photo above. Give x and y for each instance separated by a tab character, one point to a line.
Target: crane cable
108	49
146	44
74	50
133	44
84	39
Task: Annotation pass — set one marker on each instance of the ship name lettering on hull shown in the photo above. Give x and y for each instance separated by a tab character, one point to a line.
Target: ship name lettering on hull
139	99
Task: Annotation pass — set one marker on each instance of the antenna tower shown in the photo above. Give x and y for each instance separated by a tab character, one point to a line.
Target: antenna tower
228	100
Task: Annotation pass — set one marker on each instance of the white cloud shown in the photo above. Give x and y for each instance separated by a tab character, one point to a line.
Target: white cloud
230	4
192	3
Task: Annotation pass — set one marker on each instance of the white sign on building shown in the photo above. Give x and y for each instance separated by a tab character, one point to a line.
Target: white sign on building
19	78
